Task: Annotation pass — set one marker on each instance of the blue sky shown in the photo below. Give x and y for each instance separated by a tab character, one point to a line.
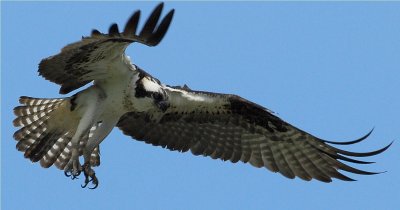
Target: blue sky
331	69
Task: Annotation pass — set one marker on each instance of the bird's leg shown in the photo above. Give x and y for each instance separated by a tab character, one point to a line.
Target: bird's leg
98	136
73	167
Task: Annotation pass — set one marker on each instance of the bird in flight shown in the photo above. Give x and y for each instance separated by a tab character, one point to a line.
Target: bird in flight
58	131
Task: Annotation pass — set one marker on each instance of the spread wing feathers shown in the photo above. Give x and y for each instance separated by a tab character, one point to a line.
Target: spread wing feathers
79	63
239	130
47	129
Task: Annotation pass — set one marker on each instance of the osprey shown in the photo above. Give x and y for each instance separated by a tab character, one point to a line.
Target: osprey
223	126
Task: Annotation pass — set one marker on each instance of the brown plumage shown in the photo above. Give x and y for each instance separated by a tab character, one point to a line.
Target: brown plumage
76	65
244	131
47	129
221	126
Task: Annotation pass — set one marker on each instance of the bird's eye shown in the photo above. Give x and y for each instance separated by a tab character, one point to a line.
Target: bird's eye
158	96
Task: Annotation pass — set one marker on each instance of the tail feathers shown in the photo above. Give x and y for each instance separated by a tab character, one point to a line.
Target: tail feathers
41	147
28	114
53	156
95	157
25	100
42	137
26	136
37	137
65	154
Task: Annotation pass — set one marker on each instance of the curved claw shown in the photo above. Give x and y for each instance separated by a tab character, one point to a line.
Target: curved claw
84	185
89	173
71	174
67	173
95	182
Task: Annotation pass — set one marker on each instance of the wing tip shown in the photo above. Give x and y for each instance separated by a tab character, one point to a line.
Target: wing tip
113	30
95	32
351	142
152	32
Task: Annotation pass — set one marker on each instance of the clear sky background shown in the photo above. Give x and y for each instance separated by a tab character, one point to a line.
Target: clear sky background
332	69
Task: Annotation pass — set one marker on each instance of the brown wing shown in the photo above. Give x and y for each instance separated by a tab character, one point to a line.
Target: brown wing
237	129
79	63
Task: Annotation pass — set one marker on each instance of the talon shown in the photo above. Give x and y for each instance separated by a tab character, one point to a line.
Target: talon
72	174
86	183
73	169
89	173
95	182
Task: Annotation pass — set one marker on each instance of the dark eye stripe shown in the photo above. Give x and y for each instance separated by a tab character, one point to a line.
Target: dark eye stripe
158	96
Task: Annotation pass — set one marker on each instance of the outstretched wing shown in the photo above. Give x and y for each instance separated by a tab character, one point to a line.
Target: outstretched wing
229	127
89	59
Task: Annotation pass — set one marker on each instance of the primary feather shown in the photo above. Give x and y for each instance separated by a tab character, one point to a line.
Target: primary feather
221	126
